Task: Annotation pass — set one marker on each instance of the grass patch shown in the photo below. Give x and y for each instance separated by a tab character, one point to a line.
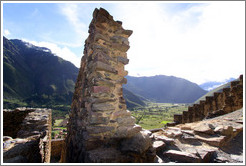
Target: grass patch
57	122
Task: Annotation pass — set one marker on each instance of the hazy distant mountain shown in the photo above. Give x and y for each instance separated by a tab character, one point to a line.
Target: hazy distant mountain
212	85
165	89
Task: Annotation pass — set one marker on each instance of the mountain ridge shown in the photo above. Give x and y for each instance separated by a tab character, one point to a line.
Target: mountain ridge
165	89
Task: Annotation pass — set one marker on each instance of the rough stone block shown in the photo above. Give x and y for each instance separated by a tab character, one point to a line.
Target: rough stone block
182	157
127	131
122	60
99	129
137	144
102	107
126	121
178	118
100	89
159	145
104	67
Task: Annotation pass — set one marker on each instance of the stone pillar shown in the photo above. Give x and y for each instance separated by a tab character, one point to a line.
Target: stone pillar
202	104
191	114
100	129
185	117
208	108
227	99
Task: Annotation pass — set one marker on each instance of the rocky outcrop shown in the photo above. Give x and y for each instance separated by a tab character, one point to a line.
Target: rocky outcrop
100	129
27	135
229	100
216	140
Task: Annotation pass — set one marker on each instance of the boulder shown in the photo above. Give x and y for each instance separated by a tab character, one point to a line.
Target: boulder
137	144
224	130
217	141
181	157
159	145
204	128
164	139
206	155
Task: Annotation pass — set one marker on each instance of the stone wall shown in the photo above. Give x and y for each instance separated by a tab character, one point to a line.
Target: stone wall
57	147
27	135
229	100
100	129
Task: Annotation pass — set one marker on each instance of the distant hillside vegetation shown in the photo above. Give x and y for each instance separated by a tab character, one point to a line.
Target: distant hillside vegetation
33	75
165	89
133	100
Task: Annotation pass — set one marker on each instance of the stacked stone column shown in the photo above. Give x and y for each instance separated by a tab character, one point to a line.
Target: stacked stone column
100	127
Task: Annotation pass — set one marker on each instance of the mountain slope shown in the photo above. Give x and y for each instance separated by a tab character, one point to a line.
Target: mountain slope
133	100
213	84
218	89
34	75
165	89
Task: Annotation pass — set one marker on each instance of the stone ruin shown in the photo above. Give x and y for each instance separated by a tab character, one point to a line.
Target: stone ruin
100	129
27	135
229	100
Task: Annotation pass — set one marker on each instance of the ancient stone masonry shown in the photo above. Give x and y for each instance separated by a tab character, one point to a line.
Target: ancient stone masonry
57	147
100	129
27	135
229	100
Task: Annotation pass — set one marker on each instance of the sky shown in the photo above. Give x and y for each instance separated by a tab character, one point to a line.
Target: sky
198	41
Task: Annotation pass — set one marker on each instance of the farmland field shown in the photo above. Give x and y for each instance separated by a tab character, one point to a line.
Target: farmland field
156	115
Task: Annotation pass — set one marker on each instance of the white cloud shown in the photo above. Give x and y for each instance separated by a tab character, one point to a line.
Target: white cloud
202	43
73	14
6	32
62	52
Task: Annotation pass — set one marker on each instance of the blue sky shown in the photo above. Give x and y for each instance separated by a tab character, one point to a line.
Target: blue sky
196	41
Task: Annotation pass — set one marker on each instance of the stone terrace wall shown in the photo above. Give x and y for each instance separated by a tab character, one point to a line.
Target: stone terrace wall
229	100
27	135
57	147
100	129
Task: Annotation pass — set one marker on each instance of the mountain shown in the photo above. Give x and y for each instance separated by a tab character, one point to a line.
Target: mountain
34	77
133	100
165	89
218	89
213	84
